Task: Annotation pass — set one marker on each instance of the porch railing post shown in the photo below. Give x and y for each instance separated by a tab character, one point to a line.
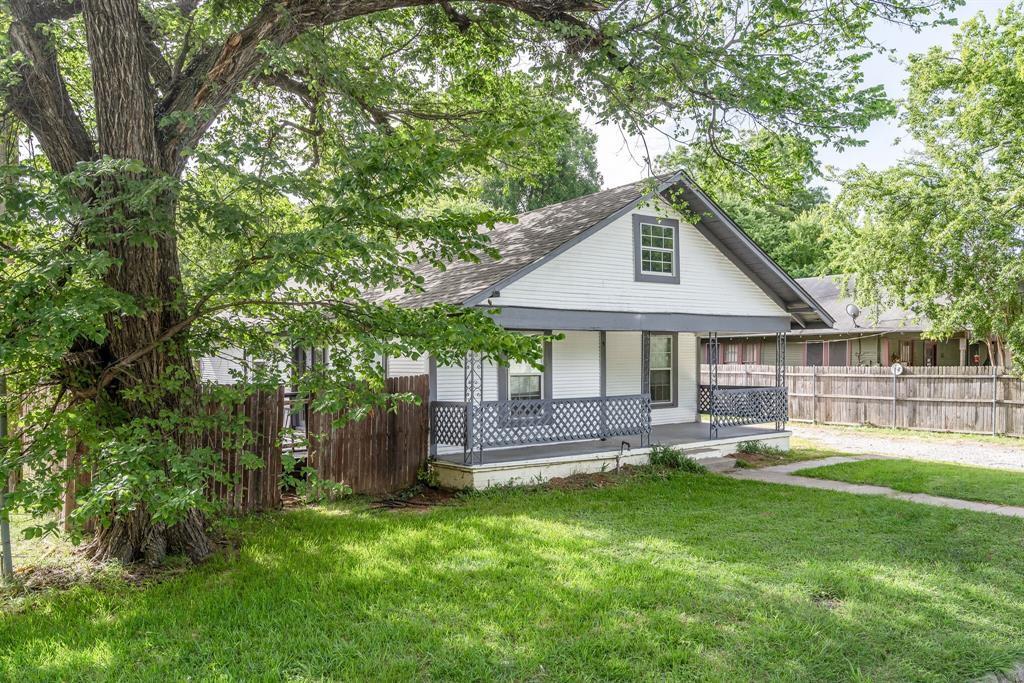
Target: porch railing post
473	387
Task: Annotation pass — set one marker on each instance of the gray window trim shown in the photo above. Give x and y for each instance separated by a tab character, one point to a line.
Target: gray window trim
638	274
547	384
674	403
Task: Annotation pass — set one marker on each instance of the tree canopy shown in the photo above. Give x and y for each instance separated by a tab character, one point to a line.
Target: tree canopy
942	232
572	172
771	196
200	175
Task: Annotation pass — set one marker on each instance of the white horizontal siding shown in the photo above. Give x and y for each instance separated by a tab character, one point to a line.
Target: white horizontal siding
401	366
576	365
622	358
451	380
597	274
222	368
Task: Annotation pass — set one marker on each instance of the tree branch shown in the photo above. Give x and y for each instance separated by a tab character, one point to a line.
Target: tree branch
40	99
213	77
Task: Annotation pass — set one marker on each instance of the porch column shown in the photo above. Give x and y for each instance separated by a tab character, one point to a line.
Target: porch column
782	409
712	384
645	371
473	392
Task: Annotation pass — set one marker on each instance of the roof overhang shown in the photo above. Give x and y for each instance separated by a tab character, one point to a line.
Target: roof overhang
719	229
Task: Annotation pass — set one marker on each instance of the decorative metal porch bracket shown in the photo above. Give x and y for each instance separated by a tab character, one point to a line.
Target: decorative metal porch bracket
473	384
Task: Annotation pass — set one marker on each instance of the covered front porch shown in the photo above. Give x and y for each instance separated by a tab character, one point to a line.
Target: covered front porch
491	437
534	464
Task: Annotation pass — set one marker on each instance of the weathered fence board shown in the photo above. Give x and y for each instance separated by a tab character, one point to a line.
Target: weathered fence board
383	452
250	489
379	454
978	400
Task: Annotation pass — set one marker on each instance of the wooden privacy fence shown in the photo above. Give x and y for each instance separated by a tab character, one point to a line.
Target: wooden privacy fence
382	452
975	400
250	489
378	454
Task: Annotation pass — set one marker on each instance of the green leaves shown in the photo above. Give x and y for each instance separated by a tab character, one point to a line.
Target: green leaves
942	232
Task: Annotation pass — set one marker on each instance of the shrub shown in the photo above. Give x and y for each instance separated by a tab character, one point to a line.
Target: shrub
673	458
758	448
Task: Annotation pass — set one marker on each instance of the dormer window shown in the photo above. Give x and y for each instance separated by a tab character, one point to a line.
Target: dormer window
655	249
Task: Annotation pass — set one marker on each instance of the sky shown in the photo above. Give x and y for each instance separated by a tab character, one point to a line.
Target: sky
620	160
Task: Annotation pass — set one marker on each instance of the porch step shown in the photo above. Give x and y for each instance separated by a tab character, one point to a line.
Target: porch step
719	464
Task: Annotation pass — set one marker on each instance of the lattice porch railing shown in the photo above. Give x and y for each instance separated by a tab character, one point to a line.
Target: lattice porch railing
527	422
735	406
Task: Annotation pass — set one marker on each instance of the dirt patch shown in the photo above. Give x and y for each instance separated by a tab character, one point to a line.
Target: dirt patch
595	480
759	459
421	500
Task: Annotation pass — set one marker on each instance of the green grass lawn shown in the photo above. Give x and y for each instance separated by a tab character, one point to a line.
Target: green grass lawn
939	479
684	577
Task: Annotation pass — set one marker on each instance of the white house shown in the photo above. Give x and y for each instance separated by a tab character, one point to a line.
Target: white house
632	285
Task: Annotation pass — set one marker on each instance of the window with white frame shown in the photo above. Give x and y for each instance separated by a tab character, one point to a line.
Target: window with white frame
657	249
661	368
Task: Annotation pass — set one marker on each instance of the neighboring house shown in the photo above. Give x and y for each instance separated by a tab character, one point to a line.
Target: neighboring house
632	287
873	338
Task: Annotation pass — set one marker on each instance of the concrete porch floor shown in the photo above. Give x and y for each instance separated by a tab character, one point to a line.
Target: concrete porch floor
535	464
678	434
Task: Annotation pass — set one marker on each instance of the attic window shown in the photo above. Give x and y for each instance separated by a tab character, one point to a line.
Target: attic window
655	249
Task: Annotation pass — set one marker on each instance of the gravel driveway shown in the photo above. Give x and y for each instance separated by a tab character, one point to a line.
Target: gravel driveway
960	450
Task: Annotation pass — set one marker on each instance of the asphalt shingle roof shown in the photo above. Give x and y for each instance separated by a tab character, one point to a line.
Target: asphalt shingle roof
537	233
540	232
827	291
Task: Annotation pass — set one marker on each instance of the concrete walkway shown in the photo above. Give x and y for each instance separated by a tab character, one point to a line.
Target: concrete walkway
784	474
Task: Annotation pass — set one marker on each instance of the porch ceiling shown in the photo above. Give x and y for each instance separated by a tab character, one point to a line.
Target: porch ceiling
523	318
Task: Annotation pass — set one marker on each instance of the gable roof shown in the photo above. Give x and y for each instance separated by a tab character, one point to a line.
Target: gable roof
541	234
827	291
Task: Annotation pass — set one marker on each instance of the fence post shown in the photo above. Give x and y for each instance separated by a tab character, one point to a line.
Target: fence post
895	379
6	558
995	399
814	394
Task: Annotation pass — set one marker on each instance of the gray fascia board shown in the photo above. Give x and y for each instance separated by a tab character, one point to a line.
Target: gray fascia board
526	318
485	293
752	245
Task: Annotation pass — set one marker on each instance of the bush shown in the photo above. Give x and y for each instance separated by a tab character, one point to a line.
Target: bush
758	448
673	458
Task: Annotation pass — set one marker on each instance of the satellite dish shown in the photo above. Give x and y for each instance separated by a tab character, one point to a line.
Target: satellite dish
852	310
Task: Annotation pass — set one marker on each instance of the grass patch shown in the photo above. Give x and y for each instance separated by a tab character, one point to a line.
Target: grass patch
673	576
938	479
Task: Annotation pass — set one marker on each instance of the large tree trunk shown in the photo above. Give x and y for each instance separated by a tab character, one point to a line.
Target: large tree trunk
139	349
134	537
